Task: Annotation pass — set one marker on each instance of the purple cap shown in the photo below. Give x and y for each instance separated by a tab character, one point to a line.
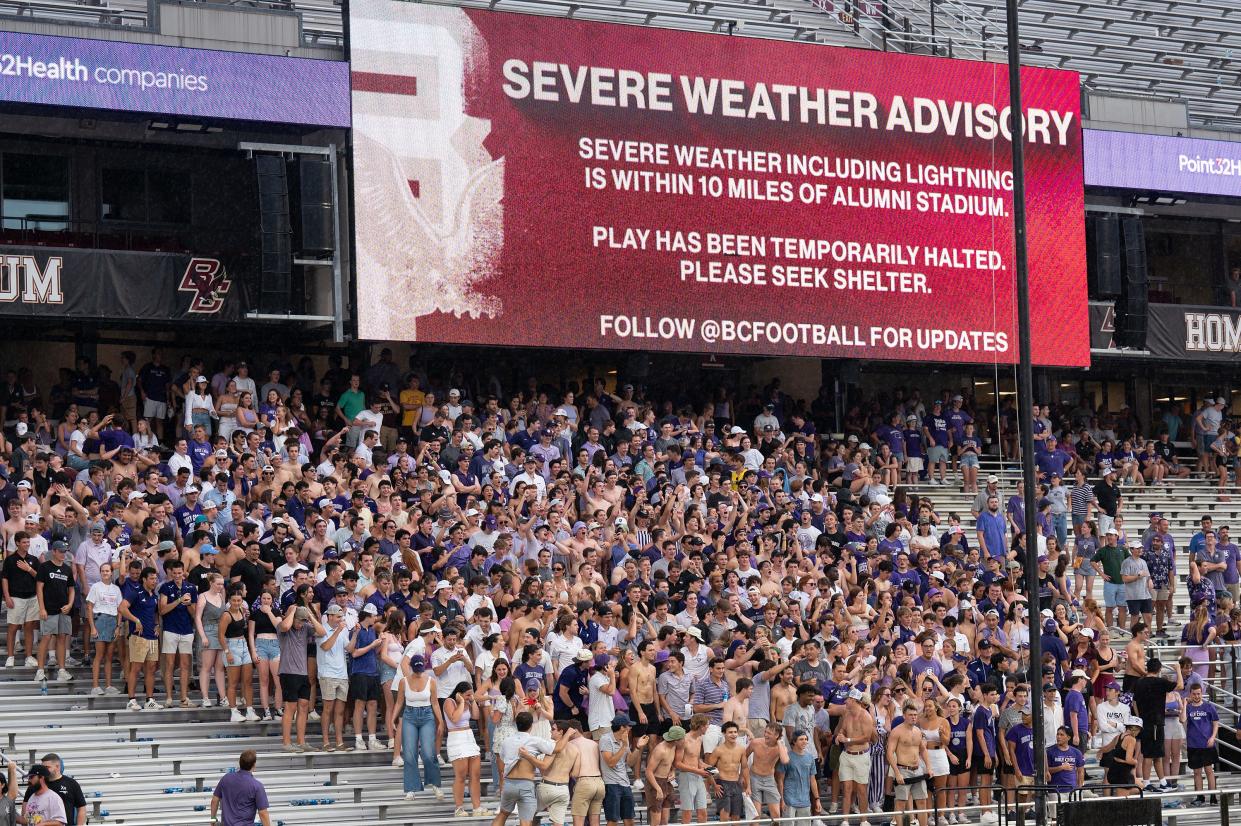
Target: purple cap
601	660
532	683
662	656
417	664
1049	625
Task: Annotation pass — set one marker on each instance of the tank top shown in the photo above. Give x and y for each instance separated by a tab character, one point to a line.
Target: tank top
211	614
236	628
960	735
418	699
463	721
394	650
932	737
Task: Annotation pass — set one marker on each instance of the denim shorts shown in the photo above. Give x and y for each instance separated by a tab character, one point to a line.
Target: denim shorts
105	627
969	460
239	647
267	650
1114	595
386	673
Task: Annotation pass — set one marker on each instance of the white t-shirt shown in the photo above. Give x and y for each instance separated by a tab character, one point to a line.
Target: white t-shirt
106	597
602	709
456	673
1111	717
697	665
285	573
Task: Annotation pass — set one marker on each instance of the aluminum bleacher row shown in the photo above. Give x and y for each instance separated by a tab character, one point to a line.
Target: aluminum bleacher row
157	768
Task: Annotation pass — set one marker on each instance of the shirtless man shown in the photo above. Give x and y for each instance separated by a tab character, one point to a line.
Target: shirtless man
659	769
553	791
855	735
588	791
764	754
736	708
783	694
693	780
734	773
1135	656
908	758
642	695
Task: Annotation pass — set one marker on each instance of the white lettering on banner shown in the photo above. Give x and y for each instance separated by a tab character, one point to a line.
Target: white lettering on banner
75	71
1212	333
15	65
606	86
1198	165
21	279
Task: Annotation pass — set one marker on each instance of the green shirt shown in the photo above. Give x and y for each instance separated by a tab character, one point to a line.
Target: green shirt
1111	558
352	402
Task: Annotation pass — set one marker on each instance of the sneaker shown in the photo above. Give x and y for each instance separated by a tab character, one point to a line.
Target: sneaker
313	716
1163	785
132	705
152	705
482	811
359	744
834	809
265	715
375	744
96	692
277	713
461	812
111	691
437	791
31	662
638	785
988	817
185	702
344	747
845	822
40	676
302	748
411	795
864	823
237	716
208	702
251	717
10	662
63	676
70	662
223	702
289	748
398	761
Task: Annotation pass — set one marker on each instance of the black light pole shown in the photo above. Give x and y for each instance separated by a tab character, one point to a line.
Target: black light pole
1025	400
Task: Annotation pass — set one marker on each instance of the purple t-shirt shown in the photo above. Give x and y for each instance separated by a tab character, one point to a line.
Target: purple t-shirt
919	666
1064	757
1074	703
984	721
1022	736
1199	722
241	796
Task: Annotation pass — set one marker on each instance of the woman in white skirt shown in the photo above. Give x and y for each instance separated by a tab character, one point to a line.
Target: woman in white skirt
936	732
463	753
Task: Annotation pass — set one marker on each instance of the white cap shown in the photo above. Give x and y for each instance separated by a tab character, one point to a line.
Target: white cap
32	518
472	512
441	585
1088	633
993	479
1111	532
1046	612
863	446
694	632
1133	720
938	575
1135	543
736	431
454	392
191	489
22	428
818	497
136	494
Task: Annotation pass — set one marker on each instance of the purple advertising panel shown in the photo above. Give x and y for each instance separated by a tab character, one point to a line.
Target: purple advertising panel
166	80
1130	160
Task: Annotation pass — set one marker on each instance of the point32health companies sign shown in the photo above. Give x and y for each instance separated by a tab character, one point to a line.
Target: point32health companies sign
521	180
167	80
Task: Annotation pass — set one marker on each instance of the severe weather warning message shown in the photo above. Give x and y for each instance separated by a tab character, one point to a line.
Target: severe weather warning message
530	181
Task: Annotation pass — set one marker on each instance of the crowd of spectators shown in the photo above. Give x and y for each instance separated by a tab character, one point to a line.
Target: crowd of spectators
714	603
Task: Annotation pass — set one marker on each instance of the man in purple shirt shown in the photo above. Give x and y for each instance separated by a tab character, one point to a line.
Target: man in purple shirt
1232	577
926	660
239	797
1201	731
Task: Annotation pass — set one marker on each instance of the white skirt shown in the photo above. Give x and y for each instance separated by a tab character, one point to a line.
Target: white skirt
939	762
461	744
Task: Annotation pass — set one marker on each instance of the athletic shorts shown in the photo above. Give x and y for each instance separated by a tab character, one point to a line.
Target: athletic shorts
936	453
364	688
294	687
693	792
617	803
1151	739
105	627
1162	594
333	688
154	410
519	796
763	789
24	611
854	768
1203	758
651	710
962	766
171	643
914	464
142	650
1139	606
732	801
906	791
56	624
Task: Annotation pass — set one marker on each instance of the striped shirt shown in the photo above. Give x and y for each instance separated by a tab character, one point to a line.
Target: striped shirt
707	692
1081	497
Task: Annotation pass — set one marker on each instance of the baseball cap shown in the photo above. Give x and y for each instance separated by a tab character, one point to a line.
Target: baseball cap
532	683
1111	532
40	770
1088	633
302	613
24	485
96	527
736	431
621	720
334	610
207	549
601	660
441	585
136	494
221	454
993	479
370	609
32	519
863	446
583	656
417	664
1134	720
579	526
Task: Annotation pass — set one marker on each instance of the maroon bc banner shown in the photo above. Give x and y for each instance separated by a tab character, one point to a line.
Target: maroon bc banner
522	180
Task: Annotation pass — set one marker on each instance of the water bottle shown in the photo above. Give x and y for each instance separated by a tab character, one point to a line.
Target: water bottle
43	686
725	700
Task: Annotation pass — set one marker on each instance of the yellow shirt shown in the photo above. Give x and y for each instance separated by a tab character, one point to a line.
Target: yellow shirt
415	397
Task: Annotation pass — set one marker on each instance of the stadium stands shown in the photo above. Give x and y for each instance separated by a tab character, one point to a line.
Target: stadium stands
158	768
